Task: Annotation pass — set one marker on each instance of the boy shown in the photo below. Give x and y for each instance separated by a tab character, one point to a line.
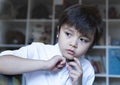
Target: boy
58	64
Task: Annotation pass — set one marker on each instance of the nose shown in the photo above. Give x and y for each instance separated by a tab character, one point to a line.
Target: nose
74	43
74	46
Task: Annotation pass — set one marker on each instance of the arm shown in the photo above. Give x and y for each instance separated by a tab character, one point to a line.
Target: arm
11	65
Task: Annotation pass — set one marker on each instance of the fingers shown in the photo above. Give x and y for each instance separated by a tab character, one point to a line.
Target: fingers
77	61
58	62
75	70
61	63
75	65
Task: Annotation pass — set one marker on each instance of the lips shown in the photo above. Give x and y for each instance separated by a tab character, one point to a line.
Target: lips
71	52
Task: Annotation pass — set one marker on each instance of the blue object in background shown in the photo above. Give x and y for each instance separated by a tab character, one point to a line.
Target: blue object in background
114	61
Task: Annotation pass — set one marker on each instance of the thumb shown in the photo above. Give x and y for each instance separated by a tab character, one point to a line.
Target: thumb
59	59
58	62
61	62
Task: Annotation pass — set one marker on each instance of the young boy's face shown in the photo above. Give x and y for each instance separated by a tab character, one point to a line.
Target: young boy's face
72	43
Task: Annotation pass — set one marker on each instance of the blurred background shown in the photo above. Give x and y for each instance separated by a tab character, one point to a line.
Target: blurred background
25	21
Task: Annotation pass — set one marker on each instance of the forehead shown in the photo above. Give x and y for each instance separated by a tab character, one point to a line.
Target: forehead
70	28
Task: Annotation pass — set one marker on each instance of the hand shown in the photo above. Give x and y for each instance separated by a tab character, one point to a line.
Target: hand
56	63
75	72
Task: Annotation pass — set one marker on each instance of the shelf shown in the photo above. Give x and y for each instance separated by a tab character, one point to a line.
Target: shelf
100	75
99	47
111	37
11	45
114	29
114	20
117	47
114	81
114	76
40	20
31	17
114	2
99	2
100	81
10	80
41	9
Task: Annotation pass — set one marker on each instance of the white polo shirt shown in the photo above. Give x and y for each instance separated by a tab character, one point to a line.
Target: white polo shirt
40	51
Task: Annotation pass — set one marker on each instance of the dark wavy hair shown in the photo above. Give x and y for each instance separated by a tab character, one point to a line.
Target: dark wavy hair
85	18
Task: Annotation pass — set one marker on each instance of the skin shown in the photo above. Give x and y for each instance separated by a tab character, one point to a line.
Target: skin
13	65
73	45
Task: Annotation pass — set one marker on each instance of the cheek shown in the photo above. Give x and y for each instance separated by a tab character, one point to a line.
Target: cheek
81	51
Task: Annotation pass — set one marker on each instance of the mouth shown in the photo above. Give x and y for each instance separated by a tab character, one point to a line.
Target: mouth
71	52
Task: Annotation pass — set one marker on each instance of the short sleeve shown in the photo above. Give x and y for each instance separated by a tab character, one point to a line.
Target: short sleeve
32	51
24	52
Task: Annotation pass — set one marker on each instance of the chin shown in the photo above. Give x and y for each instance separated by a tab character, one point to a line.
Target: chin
70	59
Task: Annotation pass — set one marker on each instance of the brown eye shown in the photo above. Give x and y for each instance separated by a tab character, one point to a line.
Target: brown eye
84	40
68	34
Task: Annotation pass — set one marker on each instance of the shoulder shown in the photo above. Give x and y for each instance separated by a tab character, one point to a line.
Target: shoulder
40	45
47	51
35	44
35	47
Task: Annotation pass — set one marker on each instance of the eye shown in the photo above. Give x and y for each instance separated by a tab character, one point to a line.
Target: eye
68	34
85	40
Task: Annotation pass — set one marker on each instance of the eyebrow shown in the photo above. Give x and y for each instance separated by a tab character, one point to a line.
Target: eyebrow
70	29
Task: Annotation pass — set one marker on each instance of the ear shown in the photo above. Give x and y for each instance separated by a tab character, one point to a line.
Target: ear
57	35
57	31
